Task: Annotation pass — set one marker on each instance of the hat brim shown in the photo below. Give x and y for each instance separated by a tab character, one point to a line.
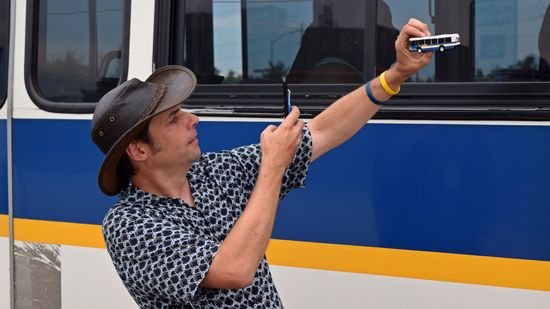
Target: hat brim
180	83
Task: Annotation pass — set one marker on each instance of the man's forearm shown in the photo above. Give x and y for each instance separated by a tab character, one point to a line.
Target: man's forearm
346	116
242	250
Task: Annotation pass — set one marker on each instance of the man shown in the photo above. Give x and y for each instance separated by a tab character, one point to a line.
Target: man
190	231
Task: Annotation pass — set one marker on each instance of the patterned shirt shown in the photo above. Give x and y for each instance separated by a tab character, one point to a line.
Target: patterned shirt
162	248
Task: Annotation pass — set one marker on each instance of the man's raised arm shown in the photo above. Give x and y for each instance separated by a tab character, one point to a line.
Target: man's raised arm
349	114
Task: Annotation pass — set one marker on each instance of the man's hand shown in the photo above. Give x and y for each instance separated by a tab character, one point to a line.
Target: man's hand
279	144
407	63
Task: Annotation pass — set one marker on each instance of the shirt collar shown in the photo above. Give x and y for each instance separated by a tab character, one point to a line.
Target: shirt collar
135	195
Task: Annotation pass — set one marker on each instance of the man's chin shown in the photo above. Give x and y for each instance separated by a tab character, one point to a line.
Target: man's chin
197	154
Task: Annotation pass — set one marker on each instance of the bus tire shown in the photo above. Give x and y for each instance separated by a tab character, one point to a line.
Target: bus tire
441	48
419	50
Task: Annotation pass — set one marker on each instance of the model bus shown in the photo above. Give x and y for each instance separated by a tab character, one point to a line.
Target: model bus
442	201
436	42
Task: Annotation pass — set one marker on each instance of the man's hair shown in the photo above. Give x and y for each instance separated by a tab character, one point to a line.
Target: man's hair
125	169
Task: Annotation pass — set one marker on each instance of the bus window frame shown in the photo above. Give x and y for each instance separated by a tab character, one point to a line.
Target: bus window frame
31	54
4	95
416	101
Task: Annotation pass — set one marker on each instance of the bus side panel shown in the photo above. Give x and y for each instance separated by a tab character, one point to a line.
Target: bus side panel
4	242
476	190
56	161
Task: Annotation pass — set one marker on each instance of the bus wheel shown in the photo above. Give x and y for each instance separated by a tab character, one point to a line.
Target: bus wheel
419	50
441	48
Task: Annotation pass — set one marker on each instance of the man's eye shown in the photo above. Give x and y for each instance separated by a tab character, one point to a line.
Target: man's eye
174	119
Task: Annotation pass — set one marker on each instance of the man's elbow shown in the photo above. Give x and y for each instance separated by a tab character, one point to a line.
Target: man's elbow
243	280
228	280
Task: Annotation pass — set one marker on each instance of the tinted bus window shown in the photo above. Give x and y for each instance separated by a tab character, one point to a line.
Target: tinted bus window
79	48
259	41
501	40
4	43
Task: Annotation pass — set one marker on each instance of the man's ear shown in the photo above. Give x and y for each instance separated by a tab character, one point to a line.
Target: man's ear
137	151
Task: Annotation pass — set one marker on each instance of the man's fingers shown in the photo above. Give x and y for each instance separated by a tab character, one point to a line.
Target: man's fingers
299	125
414	28
409	31
292	117
419	25
270	128
426	57
298	129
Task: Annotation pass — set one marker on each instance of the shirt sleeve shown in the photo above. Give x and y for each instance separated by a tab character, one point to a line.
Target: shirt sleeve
158	259
249	157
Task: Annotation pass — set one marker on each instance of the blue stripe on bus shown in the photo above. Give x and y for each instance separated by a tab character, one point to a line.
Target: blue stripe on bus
3	169
480	190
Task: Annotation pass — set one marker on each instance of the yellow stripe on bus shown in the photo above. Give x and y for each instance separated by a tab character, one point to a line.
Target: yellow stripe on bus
472	269
461	268
63	233
4	229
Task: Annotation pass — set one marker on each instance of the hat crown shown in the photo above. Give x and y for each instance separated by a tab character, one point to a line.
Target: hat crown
122	108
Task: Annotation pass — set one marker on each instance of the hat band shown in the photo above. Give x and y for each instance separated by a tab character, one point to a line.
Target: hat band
156	100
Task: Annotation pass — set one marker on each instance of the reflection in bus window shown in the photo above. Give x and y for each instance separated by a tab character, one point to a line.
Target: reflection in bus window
332	46
544	46
223	45
274	31
4	42
79	48
227	40
502	40
311	41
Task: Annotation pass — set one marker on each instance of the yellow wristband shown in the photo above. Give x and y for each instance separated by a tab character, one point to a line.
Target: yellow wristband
385	85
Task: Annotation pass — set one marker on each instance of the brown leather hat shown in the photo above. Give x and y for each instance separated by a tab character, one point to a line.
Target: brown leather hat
122	113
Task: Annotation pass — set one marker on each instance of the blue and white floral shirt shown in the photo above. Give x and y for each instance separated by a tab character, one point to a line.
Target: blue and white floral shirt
162	248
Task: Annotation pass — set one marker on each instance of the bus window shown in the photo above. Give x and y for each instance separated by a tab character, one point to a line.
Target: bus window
501	40
247	46
4	43
257	42
80	62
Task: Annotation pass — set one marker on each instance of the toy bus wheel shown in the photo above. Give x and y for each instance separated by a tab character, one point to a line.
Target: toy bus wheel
419	50
441	48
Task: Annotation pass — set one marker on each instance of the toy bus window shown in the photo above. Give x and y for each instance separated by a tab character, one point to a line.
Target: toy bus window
500	40
4	43
78	49
257	42
447	40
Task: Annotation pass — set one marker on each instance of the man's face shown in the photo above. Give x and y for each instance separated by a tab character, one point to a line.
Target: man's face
174	138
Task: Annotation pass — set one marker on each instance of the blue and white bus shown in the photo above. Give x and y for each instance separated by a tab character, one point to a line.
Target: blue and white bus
435	42
442	201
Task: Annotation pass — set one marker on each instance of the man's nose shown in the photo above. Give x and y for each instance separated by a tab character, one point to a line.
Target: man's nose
192	121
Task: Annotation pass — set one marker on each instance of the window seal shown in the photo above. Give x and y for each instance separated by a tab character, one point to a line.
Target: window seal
264	101
31	39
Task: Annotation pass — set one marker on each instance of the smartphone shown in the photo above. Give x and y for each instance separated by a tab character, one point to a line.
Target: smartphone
286	98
